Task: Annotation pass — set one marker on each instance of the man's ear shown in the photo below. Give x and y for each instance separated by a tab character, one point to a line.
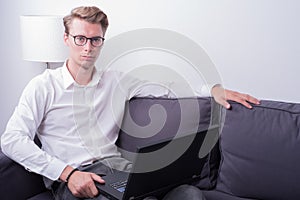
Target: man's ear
66	39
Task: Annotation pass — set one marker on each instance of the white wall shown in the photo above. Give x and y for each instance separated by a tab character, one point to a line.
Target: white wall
254	44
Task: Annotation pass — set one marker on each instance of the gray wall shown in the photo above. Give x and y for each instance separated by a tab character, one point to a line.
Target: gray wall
254	44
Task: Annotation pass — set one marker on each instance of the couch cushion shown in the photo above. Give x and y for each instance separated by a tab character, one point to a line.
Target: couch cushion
151	119
260	151
217	195
16	182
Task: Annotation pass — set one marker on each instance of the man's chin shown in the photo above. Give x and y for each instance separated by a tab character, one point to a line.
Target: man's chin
87	64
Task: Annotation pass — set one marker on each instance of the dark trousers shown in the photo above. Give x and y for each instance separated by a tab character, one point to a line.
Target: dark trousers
110	166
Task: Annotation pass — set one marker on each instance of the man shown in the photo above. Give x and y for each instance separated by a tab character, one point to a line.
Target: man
60	107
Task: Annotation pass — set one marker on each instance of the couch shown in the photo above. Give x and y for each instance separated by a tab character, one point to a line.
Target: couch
255	156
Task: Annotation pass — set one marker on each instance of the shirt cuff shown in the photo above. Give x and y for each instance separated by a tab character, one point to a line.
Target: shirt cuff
54	169
206	89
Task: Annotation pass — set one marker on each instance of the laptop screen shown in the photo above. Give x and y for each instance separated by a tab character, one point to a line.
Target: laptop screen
160	166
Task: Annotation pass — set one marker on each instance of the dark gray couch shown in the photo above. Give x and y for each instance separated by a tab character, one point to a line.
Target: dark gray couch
256	156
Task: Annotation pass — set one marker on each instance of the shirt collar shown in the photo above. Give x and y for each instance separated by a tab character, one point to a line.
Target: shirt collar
95	79
68	79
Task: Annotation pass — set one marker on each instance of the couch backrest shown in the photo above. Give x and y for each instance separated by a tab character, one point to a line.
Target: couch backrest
151	119
261	151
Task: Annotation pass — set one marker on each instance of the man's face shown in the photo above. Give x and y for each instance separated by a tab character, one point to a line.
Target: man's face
83	56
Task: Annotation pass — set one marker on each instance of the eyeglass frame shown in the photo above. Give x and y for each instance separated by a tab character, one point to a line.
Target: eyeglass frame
86	39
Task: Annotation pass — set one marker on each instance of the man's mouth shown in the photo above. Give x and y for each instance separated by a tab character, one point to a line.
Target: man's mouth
87	57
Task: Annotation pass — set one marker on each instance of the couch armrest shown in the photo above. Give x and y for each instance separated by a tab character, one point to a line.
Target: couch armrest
16	182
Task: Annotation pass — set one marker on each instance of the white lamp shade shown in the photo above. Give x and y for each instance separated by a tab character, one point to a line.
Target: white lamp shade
42	38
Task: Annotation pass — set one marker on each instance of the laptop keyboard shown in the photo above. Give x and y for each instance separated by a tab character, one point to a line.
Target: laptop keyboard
120	185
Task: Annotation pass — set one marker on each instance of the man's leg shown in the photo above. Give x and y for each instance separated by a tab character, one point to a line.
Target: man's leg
188	192
65	194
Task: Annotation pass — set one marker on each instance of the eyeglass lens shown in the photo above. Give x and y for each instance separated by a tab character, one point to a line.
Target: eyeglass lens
82	40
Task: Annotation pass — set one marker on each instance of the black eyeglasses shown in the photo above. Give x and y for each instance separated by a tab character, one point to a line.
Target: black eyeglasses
81	40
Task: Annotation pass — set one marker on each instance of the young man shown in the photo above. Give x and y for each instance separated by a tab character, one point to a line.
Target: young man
61	106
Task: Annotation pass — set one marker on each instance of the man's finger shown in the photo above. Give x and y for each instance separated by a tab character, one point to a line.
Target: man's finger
240	100
251	99
93	191
223	103
98	178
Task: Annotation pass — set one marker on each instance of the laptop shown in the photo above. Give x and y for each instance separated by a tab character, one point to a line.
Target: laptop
158	167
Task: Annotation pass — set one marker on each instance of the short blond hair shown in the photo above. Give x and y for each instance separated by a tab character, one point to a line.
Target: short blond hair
91	14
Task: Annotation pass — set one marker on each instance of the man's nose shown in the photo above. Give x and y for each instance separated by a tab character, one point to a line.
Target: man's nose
88	45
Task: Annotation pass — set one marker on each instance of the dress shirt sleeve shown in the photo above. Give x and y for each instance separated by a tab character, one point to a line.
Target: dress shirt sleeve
140	88
206	89
148	89
169	89
17	140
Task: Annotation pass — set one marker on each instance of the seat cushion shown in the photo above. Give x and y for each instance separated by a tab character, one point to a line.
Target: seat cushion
218	195
260	150
152	119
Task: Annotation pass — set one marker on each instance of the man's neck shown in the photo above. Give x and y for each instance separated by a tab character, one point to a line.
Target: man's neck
81	75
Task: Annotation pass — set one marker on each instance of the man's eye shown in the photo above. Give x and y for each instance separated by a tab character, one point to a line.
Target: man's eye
80	39
97	39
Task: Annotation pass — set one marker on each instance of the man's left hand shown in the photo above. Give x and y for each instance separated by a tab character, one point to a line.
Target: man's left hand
222	96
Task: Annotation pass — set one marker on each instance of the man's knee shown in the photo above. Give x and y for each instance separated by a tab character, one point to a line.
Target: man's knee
185	192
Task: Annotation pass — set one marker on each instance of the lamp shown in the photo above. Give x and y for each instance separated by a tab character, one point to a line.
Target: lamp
42	38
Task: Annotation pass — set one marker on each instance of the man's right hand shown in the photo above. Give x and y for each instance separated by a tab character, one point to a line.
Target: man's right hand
82	184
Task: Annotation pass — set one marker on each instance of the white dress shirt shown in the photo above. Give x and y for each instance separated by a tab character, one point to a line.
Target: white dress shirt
75	124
